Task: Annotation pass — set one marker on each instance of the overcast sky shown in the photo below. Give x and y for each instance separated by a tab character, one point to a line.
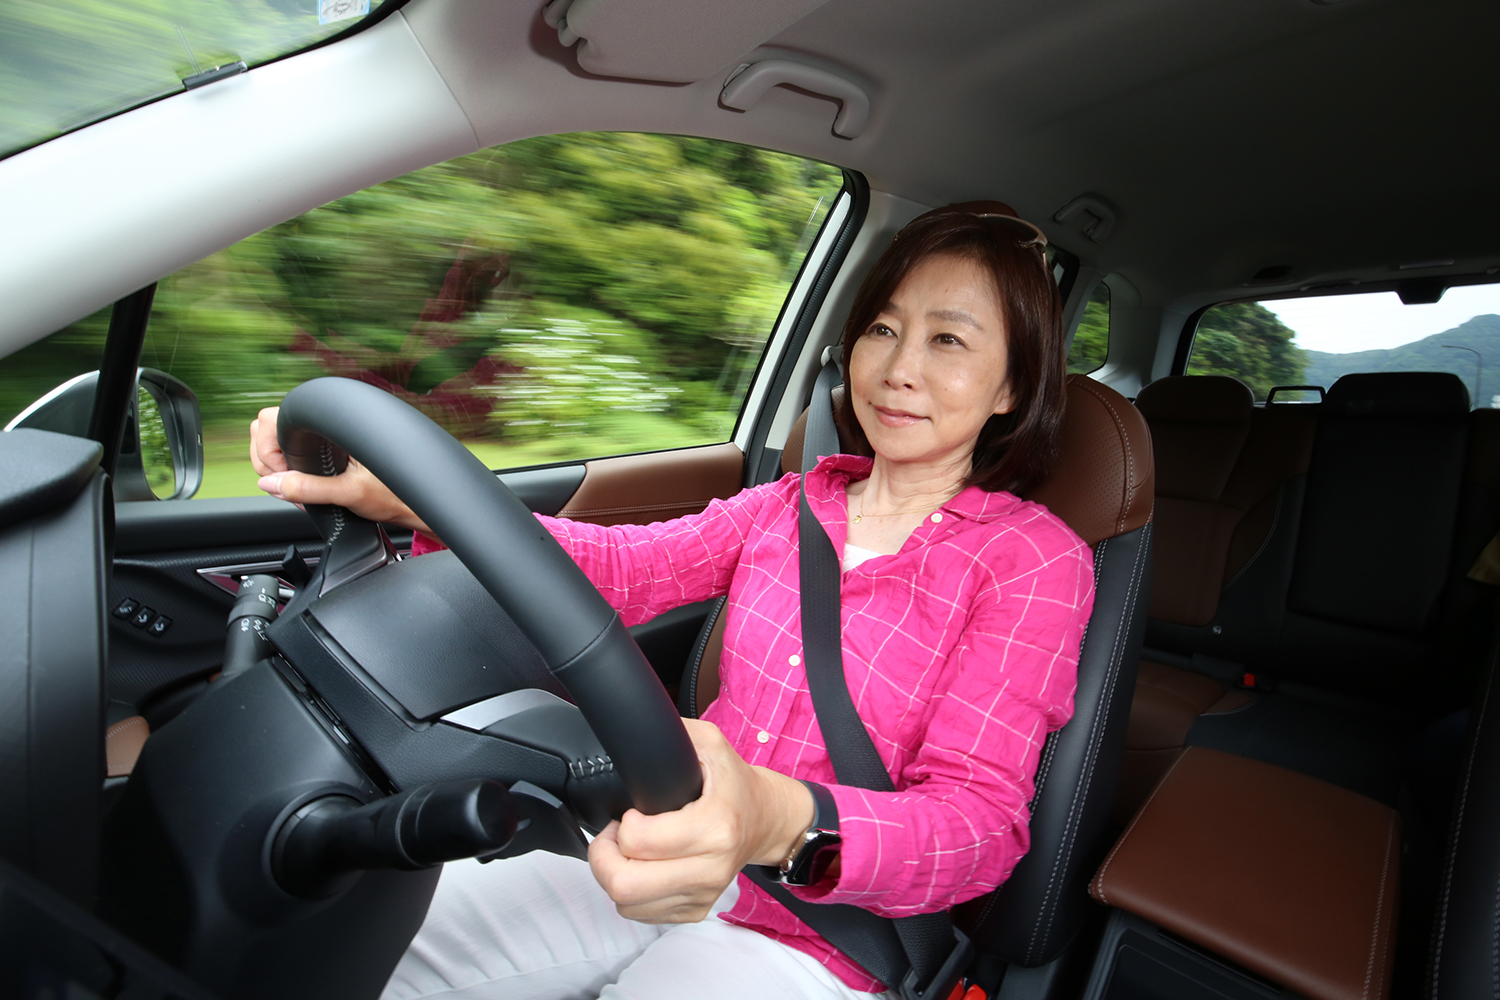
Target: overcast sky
1342	323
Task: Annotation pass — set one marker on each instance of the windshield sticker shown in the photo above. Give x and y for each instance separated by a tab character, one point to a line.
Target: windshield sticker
330	11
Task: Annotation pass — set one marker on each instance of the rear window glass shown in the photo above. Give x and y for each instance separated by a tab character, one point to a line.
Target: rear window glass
1313	340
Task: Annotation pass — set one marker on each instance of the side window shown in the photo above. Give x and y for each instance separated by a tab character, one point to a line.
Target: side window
554	299
1315	339
1091	340
38	368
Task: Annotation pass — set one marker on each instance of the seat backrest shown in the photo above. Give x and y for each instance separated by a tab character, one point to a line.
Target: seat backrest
1199	426
1464	959
1102	486
1377	528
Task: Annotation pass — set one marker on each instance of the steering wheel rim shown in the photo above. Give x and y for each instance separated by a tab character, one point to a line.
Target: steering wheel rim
581	638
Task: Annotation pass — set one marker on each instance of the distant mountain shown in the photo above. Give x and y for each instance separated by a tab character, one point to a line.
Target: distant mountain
1482	333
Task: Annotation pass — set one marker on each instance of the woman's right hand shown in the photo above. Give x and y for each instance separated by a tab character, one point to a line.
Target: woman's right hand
355	489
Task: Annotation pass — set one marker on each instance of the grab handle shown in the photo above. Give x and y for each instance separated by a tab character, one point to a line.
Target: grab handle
748	84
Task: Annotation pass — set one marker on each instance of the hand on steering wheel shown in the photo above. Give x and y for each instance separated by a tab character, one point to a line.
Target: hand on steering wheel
671	867
355	489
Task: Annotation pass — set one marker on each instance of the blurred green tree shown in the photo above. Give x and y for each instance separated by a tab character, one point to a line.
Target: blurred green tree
1247	341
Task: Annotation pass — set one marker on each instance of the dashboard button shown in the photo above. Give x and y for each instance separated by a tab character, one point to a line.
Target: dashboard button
143	616
126	608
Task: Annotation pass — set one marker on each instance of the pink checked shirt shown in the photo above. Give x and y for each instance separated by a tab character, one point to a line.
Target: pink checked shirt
960	652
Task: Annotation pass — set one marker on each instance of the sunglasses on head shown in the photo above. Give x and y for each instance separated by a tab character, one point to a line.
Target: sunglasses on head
1026	234
1033	237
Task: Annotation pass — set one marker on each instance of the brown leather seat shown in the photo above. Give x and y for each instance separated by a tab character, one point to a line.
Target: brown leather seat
1102	486
123	743
1211	446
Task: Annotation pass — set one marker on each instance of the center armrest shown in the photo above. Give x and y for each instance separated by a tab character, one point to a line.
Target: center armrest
1293	878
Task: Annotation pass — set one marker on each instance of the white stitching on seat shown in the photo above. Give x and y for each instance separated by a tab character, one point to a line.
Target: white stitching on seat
1375	937
1099	879
1458	823
705	632
124	724
1092	750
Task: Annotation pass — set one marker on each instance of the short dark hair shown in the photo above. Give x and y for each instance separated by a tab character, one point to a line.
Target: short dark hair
1015	450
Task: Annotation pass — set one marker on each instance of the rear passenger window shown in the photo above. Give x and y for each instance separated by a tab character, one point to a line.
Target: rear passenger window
1091	341
558	298
1313	340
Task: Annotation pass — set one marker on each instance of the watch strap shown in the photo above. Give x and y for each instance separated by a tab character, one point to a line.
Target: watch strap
825	808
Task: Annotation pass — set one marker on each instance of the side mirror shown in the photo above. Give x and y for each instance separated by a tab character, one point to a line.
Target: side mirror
161	451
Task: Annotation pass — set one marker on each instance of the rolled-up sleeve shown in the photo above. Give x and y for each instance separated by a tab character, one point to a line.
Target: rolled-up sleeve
958	826
643	570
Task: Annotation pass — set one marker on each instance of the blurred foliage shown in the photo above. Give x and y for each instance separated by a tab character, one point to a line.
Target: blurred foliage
37	369
1091	340
156	453
1247	341
555	298
66	62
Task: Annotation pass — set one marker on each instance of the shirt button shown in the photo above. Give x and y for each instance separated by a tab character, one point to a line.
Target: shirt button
762	737
936	517
794	659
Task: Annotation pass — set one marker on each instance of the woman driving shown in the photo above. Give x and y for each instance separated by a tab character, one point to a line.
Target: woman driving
963	608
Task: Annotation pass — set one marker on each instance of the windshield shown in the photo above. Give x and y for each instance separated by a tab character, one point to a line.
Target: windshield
66	63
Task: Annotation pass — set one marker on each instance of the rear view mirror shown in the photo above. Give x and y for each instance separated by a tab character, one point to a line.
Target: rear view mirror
161	449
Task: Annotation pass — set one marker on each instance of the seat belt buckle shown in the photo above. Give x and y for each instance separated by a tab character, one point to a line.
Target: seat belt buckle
1249	681
946	978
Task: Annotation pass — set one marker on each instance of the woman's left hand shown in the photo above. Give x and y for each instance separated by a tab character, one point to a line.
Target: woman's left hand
671	867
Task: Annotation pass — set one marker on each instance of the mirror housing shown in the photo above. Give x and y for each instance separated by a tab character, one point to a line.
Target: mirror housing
170	453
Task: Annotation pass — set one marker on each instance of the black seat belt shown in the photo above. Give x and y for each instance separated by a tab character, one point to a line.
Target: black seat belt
922	956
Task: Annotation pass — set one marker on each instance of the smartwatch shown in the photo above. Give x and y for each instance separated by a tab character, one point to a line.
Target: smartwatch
810	858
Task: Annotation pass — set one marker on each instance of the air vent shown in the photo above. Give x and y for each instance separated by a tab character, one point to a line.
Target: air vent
1270	274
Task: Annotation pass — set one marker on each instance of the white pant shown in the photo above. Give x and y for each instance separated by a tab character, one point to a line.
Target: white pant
540	927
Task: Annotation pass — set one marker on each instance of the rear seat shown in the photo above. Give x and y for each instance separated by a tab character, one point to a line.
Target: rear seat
1321	549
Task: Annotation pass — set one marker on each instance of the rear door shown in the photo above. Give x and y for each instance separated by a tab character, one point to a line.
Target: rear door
601	317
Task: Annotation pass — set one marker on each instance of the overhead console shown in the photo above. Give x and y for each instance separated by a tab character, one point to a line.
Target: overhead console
1242	879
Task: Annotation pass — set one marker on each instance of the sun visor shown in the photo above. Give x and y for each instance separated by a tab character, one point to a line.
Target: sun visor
670	41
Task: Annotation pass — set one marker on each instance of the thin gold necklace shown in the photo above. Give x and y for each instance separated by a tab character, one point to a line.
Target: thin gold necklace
923	510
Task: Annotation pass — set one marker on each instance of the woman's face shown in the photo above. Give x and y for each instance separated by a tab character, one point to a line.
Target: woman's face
931	368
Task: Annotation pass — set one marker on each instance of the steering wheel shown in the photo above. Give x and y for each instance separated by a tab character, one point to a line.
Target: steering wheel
398	688
580	637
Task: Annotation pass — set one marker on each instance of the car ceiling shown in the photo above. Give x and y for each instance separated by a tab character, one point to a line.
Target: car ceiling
1339	139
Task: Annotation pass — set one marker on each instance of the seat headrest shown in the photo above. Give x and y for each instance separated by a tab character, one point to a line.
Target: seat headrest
1398	394
1216	399
1103	483
791	455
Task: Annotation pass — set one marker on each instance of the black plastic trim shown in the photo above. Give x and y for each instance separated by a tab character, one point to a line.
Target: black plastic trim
117	372
856	185
1185	339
